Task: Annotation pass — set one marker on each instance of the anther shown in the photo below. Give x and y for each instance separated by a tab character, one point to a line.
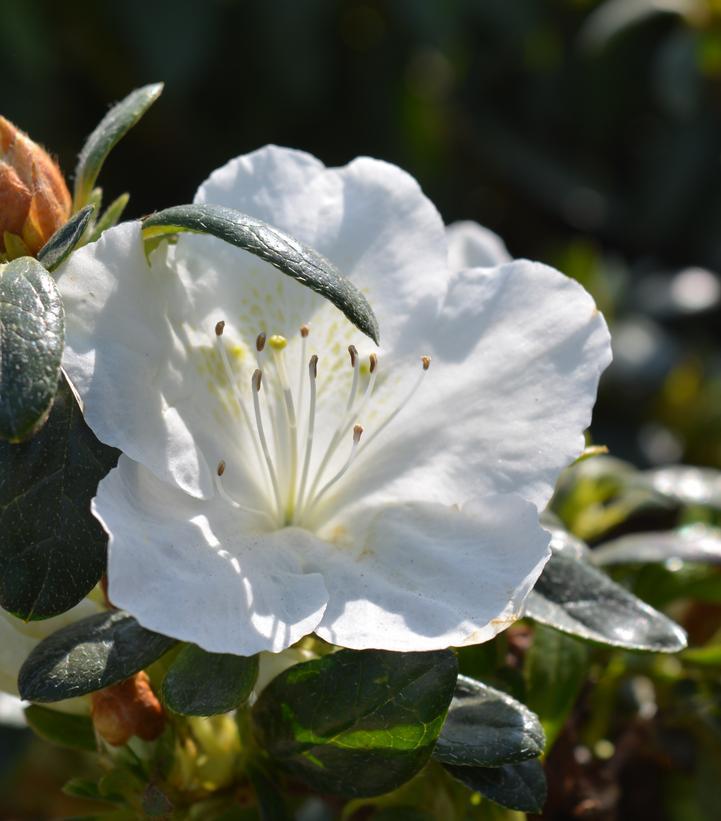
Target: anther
221	467
304	331
219	327
277	342
426	360
373	362
313	366
353	351
357	433
257	379
260	342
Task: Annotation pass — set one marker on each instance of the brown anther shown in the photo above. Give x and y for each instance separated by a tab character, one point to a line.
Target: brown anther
221	467
426	360
357	433
373	362
257	379
304	331
353	351
219	327
260	342
313	366
126	709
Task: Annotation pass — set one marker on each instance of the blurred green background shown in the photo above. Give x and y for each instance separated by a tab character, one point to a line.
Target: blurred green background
586	132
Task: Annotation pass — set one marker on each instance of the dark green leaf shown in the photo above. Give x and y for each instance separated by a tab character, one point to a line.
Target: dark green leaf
576	598
555	667
111	216
269	797
111	129
53	550
272	245
519	786
693	543
156	802
66	729
199	683
89	655
84	788
486	728
57	249
356	723
32	331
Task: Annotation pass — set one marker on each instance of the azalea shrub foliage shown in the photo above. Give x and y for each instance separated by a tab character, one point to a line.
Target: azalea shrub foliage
278	527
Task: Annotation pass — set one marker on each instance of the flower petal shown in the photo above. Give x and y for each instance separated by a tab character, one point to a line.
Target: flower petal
189	568
428	576
470	245
517	357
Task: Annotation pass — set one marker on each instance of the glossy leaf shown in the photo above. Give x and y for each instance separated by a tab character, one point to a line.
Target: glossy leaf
576	598
356	723
687	485
52	550
693	543
111	129
32	331
274	246
89	655
65	729
486	728
199	683
61	244
555	668
519	786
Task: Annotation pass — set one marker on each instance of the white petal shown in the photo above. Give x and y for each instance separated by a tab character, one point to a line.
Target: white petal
123	357
188	569
11	711
516	362
428	576
470	245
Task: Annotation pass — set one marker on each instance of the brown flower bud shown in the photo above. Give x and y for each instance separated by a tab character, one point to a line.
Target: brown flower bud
127	709
34	199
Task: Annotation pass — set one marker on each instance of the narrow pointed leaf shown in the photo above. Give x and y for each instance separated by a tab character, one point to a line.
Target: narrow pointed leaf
32	330
110	217
694	543
274	246
199	683
356	723
61	244
576	598
486	728
519	786
52	550
89	655
65	729
111	129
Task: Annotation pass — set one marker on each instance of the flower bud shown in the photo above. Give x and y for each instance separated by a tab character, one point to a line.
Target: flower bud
127	709
34	199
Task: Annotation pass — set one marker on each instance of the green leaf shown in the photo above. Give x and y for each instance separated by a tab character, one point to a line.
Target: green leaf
576	598
486	728
687	485
84	788
555	668
155	802
52	550
89	655
60	245
199	683
693	543
111	129
111	216
66	729
32	330
269	797
356	723
272	245
519	786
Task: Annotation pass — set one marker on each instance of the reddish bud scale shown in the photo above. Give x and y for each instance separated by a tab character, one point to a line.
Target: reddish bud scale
34	199
127	709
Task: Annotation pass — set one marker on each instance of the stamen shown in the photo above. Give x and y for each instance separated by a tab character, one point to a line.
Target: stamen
313	375
357	433
355	364
304	331
219	327
259	347
226	498
256	382
277	344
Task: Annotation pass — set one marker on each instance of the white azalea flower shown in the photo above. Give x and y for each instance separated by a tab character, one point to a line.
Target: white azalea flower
18	638
281	475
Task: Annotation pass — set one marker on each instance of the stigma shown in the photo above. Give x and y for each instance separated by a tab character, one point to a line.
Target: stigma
295	466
